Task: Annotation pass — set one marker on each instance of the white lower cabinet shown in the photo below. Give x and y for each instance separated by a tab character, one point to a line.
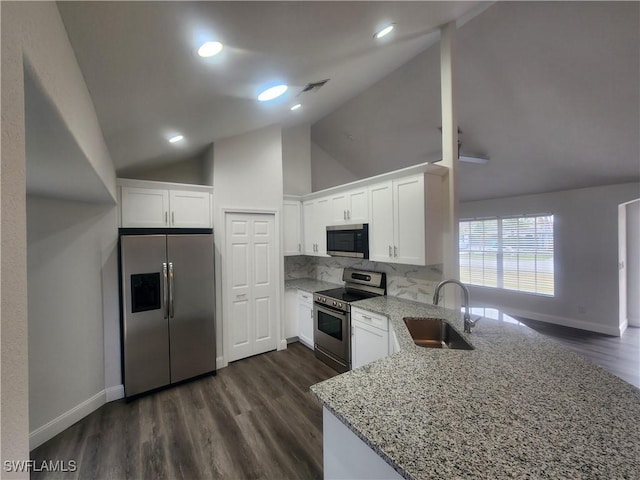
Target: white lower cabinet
305	318
369	337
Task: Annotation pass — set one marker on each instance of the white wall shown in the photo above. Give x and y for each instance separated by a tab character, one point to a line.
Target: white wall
586	256
326	171
247	175
32	30
296	160
633	263
70	245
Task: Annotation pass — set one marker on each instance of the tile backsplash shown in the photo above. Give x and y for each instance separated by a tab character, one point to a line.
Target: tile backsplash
404	281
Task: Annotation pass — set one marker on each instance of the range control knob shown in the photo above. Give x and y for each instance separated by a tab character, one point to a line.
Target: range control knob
318	299
339	305
324	300
334	304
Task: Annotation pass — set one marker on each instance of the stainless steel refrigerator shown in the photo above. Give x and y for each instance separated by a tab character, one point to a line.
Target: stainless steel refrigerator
168	309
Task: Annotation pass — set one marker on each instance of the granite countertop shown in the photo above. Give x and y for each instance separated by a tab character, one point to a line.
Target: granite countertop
518	405
310	285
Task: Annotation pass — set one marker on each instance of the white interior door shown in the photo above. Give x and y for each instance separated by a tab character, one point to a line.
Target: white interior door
251	285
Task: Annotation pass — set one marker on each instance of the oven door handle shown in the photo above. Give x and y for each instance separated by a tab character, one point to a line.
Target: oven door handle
330	311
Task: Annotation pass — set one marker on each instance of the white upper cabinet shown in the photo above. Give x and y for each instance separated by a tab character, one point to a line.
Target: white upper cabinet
144	207
316	217
158	205
190	209
349	207
406	222
292	220
381	239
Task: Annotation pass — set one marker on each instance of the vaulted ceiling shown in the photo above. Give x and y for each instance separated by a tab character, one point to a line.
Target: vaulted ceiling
548	90
147	82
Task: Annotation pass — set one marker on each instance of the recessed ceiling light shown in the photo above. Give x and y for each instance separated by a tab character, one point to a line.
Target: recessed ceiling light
209	49
296	106
176	138
385	31
273	92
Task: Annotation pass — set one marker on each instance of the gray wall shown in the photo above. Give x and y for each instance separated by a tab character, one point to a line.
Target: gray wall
326	171
33	30
247	175
586	256
296	160
196	171
69	246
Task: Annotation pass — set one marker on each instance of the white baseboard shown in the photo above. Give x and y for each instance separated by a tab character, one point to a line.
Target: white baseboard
282	344
114	393
292	340
220	363
64	421
564	321
633	321
622	328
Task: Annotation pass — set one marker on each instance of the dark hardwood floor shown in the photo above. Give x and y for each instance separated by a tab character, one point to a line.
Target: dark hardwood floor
255	419
618	355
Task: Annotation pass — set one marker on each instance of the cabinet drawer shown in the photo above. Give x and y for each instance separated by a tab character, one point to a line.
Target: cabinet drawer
368	318
305	297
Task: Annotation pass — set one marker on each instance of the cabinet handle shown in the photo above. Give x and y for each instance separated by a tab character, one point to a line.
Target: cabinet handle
299	247
166	217
390	252
366	317
344	214
173	218
395	251
348	214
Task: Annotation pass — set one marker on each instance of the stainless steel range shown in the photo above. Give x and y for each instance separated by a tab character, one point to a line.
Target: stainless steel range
332	315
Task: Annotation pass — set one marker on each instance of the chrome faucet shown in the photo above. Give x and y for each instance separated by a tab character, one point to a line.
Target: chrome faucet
468	323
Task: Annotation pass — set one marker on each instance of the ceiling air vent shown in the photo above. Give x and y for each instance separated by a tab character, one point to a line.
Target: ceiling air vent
313	86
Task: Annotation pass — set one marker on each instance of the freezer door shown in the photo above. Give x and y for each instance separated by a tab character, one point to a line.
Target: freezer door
191	305
145	322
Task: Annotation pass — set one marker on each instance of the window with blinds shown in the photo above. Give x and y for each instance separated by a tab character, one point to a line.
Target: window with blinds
514	253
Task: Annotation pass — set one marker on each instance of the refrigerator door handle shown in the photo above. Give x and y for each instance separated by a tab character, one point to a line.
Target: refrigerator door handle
165	289
171	289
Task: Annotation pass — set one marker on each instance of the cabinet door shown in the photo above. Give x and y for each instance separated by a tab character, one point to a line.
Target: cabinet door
338	210
408	209
358	211
322	215
190	209
381	222
309	222
305	319
290	313
144	207
367	344
291	228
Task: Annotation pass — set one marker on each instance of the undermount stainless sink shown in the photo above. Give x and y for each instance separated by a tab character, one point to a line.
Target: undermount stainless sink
435	333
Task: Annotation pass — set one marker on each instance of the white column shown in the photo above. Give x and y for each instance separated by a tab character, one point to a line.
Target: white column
449	153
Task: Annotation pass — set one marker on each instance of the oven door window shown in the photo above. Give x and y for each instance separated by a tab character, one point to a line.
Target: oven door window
330	325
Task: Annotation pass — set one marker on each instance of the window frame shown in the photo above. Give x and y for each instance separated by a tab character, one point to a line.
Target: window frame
500	253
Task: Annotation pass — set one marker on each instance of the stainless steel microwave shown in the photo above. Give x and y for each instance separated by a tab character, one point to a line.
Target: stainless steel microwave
348	240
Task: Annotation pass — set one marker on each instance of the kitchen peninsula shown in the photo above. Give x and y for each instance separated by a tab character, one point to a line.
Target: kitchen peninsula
518	405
